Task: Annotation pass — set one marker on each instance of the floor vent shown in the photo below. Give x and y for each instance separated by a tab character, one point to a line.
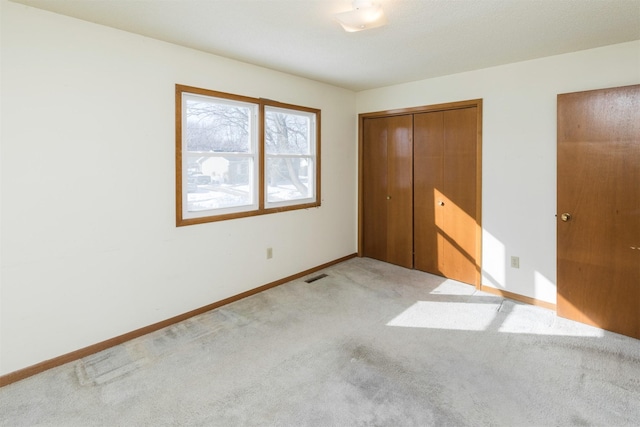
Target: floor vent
314	278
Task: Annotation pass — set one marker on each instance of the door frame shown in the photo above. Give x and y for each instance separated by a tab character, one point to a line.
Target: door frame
427	109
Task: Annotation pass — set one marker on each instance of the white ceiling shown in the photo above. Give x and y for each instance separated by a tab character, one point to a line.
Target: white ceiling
423	39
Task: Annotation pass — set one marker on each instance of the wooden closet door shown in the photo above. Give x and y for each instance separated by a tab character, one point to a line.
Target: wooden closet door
388	189
460	222
599	208
374	189
445	170
428	152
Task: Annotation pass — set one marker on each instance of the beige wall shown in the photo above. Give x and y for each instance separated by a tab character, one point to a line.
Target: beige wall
89	244
519	150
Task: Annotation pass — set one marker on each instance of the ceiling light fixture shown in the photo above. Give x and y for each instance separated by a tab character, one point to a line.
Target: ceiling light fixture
365	15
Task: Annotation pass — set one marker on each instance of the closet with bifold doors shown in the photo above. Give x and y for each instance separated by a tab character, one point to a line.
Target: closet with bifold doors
420	183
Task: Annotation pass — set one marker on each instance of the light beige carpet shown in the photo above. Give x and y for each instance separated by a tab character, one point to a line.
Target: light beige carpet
371	344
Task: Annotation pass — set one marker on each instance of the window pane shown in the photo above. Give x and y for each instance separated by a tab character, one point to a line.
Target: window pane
287	131
289	178
219	182
216	126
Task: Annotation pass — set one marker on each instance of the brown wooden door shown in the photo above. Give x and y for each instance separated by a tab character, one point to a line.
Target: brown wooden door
599	187
445	170
388	189
428	161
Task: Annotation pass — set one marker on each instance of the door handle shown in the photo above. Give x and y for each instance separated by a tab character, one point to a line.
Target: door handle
440	203
565	217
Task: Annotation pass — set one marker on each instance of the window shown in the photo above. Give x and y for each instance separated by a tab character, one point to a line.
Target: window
219	156
290	137
238	156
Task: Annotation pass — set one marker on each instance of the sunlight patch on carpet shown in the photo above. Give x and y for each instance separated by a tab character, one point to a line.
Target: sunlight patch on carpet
447	315
504	316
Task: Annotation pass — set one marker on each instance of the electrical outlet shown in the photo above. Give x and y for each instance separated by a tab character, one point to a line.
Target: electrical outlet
269	253
515	262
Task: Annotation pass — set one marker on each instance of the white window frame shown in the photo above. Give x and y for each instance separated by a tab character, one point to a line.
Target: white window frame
252	155
312	138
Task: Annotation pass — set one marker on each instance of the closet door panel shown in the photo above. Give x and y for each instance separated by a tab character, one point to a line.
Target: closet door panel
428	175
375	189
388	189
400	191
459	194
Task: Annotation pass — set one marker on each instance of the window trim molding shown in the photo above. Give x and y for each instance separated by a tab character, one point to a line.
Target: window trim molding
261	191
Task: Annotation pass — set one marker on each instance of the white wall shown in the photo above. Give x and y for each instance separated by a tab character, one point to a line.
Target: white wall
519	150
89	244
